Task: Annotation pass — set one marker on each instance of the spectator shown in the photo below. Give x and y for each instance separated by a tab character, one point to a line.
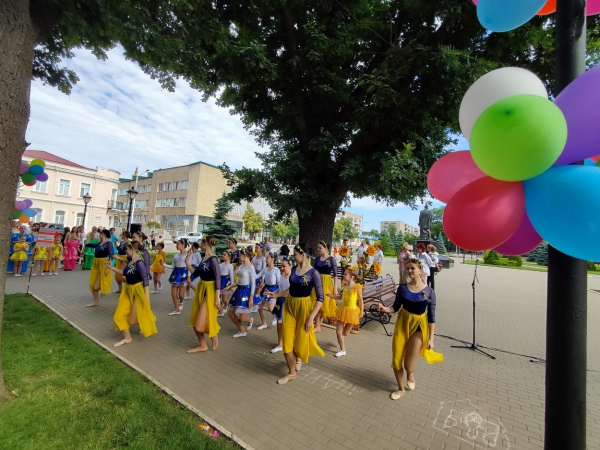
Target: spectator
404	255
267	245
153	240
435	259
378	255
285	250
425	260
362	248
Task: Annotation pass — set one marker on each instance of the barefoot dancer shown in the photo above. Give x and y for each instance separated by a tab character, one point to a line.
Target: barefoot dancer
284	285
327	267
100	276
414	330
299	341
134	307
271	283
205	305
351	309
178	278
241	302
226	271
157	266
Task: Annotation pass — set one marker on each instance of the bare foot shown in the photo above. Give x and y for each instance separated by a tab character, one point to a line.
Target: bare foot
284	380
123	342
116	292
318	330
215	342
197	349
91	305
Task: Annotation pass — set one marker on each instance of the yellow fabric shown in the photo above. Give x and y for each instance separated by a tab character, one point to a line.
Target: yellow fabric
120	265
329	306
235	273
295	338
348	311
54	266
205	292
406	326
98	270
40	254
20	252
145	317
56	251
46	266
156	266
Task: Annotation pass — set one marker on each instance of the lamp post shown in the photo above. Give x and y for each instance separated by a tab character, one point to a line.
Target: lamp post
86	200
131	193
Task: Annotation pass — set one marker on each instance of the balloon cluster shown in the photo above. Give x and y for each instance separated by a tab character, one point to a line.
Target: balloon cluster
506	15
33	172
515	186
23	211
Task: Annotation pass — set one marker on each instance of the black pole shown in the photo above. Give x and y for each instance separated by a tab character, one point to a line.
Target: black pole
566	321
129	213
84	214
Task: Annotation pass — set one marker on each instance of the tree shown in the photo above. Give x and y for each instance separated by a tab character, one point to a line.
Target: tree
293	228
279	231
437	228
253	221
385	247
441	246
343	229
152	224
398	242
220	227
410	238
374	234
392	233
539	254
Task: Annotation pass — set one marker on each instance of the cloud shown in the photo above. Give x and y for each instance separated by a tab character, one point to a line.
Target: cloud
118	117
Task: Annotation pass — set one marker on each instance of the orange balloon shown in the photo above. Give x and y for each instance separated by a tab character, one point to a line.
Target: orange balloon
548	8
24	219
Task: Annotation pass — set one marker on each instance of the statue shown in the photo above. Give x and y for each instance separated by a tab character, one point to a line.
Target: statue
425	219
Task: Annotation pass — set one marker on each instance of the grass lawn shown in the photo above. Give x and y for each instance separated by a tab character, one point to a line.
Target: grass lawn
71	394
526	266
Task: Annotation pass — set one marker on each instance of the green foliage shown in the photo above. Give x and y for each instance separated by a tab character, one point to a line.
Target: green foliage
540	254
253	221
279	231
374	234
441	245
437	229
152	224
344	229
517	259
491	257
398	242
392	233
591	266
293	228
220	227
385	247
410	238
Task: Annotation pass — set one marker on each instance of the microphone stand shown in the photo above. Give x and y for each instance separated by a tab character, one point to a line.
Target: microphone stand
474	346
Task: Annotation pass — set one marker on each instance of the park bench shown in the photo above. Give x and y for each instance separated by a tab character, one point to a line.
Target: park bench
380	291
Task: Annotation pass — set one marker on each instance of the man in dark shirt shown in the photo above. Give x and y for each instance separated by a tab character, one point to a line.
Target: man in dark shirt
285	250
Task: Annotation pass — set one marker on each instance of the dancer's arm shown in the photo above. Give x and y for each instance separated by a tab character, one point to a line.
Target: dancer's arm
114	269
431	320
395	307
361	303
144	274
318	286
188	264
214	264
335	275
252	287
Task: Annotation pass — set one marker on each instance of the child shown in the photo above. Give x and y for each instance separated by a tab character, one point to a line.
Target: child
284	284
40	256
227	277
20	250
195	260
350	311
157	267
56	251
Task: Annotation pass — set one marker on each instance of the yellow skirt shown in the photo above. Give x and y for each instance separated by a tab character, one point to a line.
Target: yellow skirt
98	268
120	265
157	267
205	292
348	314
329	305
19	256
295	338
147	320
406	326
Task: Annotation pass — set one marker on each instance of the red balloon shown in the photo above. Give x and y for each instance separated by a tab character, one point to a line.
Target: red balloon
548	8
595	158
451	173
523	241
484	214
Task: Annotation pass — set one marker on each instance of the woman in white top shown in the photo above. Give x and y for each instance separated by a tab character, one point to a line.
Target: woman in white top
271	276
403	257
435	259
425	260
242	300
195	260
284	285
378	255
227	277
178	278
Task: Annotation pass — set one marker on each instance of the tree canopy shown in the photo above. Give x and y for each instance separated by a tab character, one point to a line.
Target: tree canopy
253	221
220	227
344	229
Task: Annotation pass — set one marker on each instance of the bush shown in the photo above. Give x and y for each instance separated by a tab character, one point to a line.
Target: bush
385	247
517	259
491	257
591	266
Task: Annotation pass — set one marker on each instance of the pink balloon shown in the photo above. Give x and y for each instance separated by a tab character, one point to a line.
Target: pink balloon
484	214
523	241
20	205
28	203
592	7
42	177
23	168
451	173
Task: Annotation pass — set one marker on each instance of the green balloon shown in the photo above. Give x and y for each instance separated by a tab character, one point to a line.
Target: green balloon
598	163
519	137
16	214
28	177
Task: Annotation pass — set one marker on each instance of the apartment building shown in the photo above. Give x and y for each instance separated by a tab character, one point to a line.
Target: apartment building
400	226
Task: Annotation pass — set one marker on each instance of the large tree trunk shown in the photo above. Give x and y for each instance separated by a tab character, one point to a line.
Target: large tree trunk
16	62
317	227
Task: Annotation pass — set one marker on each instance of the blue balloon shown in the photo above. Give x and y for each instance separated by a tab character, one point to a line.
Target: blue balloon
29	212
506	15
36	170
563	204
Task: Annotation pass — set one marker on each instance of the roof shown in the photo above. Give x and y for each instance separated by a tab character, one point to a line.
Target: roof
142	177
49	157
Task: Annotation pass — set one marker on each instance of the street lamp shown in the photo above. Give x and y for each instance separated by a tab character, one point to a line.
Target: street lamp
86	199
131	193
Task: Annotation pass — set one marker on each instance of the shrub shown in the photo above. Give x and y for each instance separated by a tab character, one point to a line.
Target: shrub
517	259
591	266
491	257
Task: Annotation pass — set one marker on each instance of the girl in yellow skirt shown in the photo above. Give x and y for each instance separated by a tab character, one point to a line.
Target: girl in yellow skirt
40	256
134	306
158	267
55	254
327	267
299	340
121	260
351	310
20	250
205	305
101	276
415	326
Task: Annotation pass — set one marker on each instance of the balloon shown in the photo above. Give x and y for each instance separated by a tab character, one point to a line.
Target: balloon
452	172
20	205
30	184
36	170
27	177
38	162
28	203
562	204
29	212
592	7
519	137
580	103
42	177
506	15
484	214
593	158
16	214
494	86
523	241
23	168
548	8
597	163
588	162
23	218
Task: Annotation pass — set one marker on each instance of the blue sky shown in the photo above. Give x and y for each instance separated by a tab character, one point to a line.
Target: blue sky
118	117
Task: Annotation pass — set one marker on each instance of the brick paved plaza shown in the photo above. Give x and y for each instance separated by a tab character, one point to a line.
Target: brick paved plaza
468	401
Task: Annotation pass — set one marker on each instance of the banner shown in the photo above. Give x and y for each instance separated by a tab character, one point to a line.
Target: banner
46	237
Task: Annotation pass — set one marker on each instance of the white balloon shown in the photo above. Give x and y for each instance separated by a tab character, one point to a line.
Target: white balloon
494	86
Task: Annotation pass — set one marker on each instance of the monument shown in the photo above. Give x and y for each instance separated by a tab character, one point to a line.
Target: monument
425	219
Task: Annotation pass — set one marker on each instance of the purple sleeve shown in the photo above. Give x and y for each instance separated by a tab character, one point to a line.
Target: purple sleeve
214	264
318	285
146	258
111	251
399	300
431	308
141	267
334	266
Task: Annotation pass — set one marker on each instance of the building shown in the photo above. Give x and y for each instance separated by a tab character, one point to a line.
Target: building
60	198
400	226
180	199
357	223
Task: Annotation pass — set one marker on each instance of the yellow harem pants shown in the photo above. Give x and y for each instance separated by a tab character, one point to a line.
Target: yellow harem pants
205	292
98	270
135	294
295	338
329	306
406	326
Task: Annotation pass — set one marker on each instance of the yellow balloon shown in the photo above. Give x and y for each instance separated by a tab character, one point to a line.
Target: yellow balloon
38	162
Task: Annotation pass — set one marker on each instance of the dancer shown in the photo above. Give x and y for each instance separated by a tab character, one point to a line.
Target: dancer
178	278
19	255
70	253
100	276
260	263
157	267
233	250
299	340
195	260
40	256
284	285
55	252
242	301
271	276
415	327
226	271
133	307
326	265
121	260
351	310
140	237
205	306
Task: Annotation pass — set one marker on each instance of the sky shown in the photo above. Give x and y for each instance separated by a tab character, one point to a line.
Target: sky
117	117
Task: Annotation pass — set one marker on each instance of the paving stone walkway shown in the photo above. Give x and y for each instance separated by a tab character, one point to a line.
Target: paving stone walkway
467	402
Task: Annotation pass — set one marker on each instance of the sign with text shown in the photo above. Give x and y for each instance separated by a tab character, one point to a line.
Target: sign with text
46	237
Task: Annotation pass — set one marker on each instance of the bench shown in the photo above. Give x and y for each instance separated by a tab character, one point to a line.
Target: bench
380	291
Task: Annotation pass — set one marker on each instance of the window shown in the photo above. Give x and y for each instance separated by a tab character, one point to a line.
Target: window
64	186
183	184
84	188
142	189
158	202
173	202
139	203
182	201
167	186
123	191
160	187
145	219
79	219
175	185
40	186
59	217
147	203
113	195
149	188
39	217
